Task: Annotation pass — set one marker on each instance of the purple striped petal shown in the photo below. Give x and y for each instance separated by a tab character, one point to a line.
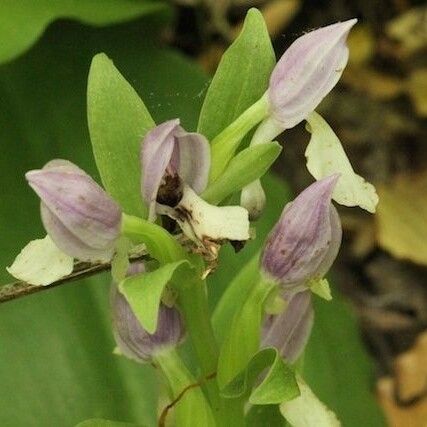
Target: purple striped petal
307	72
77	213
156	154
306	239
194	159
289	331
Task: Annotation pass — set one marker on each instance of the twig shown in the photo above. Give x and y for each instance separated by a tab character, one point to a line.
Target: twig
81	270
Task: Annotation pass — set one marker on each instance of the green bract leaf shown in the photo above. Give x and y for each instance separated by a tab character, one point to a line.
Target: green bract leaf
40	262
98	422
161	245
144	292
243	337
191	408
241	77
307	410
278	385
120	261
234	297
245	167
31	18
239	82
118	120
326	156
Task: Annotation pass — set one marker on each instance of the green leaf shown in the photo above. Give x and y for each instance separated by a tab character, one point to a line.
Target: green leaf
191	408
265	415
32	17
278	385
243	337
144	292
56	362
342	379
161	245
98	422
247	166
118	120
241	77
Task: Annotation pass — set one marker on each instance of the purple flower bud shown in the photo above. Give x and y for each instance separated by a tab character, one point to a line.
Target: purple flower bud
79	216
306	239
169	152
307	72
289	331
131	338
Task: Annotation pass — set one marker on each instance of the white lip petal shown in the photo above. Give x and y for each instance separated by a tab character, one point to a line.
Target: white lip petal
41	263
307	410
326	156
202	222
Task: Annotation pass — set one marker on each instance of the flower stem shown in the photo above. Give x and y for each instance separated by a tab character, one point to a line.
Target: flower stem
225	144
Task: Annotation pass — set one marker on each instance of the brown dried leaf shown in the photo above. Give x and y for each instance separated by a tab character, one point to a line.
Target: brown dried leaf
401	219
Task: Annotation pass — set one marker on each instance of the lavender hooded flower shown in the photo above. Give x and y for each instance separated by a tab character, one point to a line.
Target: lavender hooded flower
289	331
307	72
132	339
304	75
170	156
79	216
175	169
305	241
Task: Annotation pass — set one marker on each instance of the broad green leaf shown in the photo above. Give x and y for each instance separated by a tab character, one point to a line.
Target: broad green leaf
326	156
40	262
247	166
337	368
278	385
241	77
307	410
98	422
118	120
243	337
56	361
191	408
23	21
144	292
161	245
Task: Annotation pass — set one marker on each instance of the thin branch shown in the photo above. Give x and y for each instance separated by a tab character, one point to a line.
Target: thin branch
81	270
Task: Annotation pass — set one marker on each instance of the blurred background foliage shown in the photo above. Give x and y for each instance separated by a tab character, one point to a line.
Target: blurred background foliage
56	361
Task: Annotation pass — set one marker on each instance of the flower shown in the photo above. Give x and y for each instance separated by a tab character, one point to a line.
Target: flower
79	216
175	169
169	156
304	75
307	72
132	339
289	331
305	241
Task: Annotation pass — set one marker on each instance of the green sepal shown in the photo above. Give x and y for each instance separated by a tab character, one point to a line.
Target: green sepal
161	245
278	385
120	262
247	166
118	120
243	338
144	291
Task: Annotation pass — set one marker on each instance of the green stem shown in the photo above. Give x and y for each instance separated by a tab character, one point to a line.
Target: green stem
225	144
195	309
